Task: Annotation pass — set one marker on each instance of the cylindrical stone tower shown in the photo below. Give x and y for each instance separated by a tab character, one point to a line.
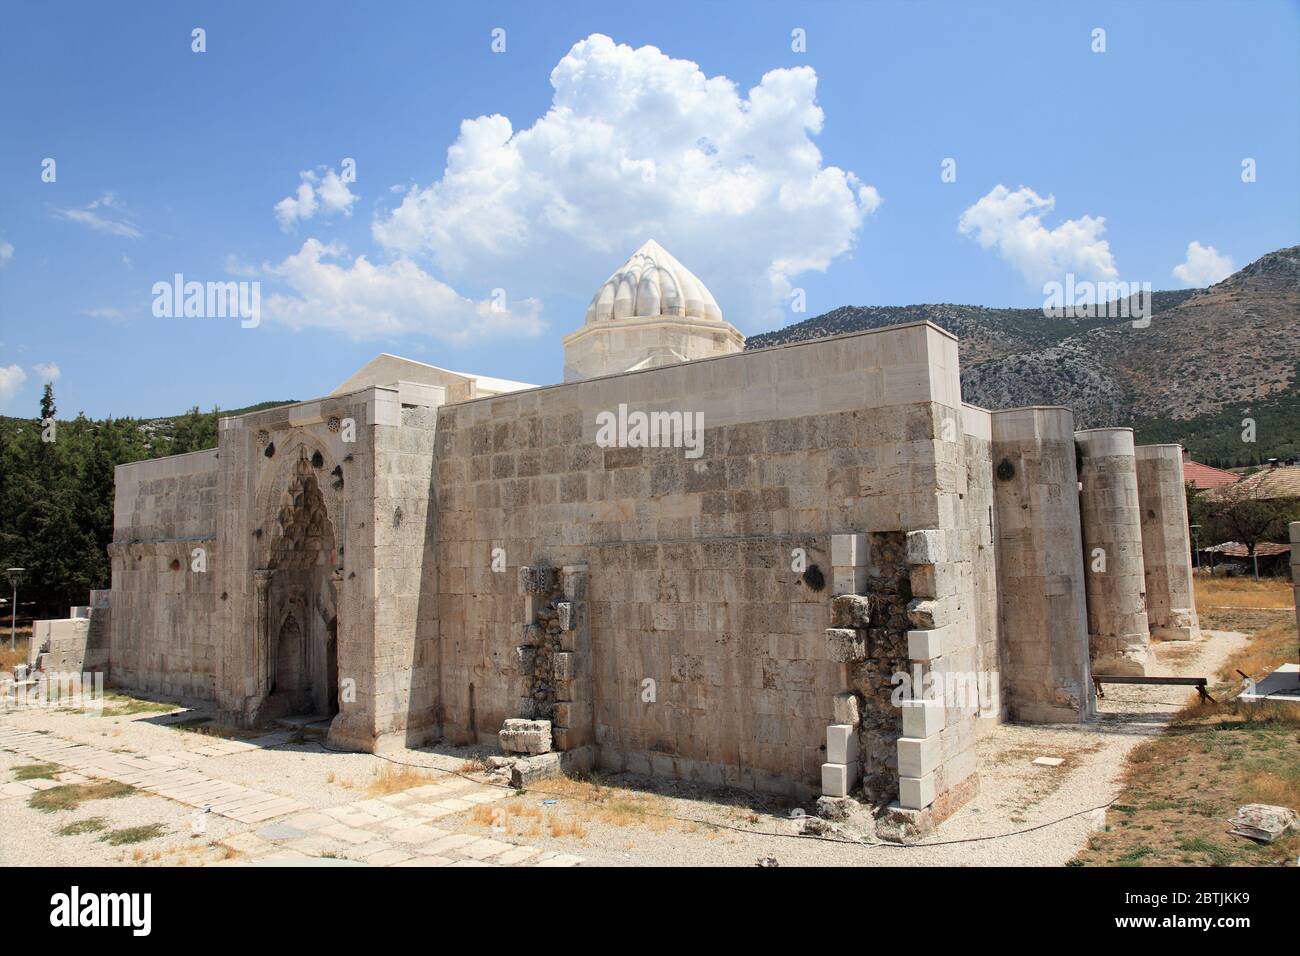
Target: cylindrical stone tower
1166	550
1119	638
1044	615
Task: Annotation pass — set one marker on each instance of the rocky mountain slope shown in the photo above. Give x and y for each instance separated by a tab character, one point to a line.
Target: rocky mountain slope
1207	355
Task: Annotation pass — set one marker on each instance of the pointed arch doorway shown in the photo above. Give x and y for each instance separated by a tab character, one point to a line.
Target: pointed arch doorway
300	605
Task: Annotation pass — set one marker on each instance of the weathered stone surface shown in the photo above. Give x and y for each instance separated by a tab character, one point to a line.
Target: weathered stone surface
851	610
525	736
926	547
844	709
846	644
528	770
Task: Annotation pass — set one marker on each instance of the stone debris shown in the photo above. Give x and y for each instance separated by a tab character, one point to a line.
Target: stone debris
519	736
1049	761
1263	823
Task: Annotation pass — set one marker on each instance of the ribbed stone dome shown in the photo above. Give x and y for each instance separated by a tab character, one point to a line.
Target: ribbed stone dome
652	283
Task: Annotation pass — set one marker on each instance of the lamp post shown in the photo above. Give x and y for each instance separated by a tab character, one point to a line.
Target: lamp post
15	576
1196	544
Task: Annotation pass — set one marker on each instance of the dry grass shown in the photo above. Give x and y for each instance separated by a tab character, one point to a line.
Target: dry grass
129	835
1242	592
37	771
69	796
391	778
9	659
1181	788
520	816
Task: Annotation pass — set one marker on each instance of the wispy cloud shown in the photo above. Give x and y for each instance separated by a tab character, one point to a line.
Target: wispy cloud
320	190
6	252
106	214
47	371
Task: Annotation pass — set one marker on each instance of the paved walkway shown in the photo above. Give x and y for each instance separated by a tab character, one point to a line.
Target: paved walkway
393	830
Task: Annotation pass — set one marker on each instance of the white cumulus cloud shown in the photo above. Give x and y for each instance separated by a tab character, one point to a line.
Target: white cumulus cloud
364	300
1203	266
320	190
47	372
11	380
635	146
1011	223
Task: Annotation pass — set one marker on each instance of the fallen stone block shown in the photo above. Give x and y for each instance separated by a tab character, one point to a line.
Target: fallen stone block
850	610
846	645
1263	823
528	770
520	736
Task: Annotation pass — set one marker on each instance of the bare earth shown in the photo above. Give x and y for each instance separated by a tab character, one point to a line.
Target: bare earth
283	799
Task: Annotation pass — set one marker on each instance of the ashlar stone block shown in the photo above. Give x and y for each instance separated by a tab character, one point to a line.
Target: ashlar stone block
851	610
842	744
846	645
519	736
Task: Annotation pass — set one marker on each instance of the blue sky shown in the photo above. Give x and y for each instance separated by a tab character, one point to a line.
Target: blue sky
825	179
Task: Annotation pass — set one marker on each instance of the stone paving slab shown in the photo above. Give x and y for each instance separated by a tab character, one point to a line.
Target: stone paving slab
186	786
396	829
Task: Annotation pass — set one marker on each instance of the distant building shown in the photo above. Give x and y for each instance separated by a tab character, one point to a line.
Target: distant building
1203	477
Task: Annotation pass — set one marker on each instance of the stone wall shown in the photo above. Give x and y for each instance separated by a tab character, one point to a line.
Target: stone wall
163	639
695	581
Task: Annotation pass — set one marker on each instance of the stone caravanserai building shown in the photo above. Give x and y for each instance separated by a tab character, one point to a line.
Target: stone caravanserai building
424	554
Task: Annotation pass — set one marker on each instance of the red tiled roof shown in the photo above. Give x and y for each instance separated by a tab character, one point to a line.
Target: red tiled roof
1203	476
1265	549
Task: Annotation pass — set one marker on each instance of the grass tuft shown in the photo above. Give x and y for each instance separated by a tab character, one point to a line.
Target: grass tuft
69	796
150	831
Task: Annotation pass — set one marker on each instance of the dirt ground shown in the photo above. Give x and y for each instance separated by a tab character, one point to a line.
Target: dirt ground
1024	814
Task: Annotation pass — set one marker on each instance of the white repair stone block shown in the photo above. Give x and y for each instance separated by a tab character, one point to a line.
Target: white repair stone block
838	779
922	718
918	756
847	580
916	793
842	744
926	645
848	550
